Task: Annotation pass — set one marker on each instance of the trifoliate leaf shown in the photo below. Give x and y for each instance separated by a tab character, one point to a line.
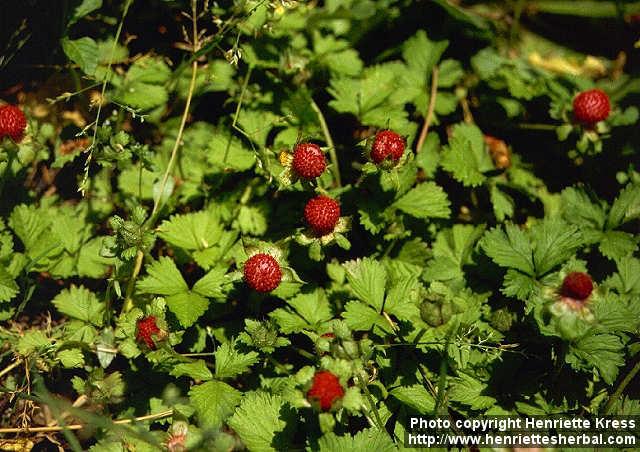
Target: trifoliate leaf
214	402
427	200
80	303
554	243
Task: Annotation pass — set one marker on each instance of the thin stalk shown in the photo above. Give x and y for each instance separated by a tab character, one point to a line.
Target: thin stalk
128	304
432	105
185	114
621	387
58	428
329	140
105	81
10	367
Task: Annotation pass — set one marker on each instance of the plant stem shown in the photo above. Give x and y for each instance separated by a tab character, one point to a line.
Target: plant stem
621	387
58	428
329	140
105	81
10	367
432	105
529	126
128	301
185	114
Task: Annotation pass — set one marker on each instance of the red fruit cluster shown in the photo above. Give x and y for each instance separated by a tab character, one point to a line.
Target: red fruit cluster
322	214
590	107
308	161
262	272
12	123
325	389
147	327
577	285
387	145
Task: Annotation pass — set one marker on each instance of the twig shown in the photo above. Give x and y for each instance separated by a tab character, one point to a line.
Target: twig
58	428
621	387
329	140
10	367
430	109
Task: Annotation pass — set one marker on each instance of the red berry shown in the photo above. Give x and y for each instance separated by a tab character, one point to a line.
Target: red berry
322	213
262	272
308	161
592	106
387	145
577	285
12	122
146	329
325	389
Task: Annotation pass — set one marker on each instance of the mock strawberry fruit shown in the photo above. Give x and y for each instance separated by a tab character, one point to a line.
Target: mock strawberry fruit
146	329
262	272
308	161
322	214
325	389
591	106
577	285
387	145
12	122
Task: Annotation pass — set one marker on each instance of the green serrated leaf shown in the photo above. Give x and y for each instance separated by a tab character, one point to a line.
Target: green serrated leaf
427	200
214	402
260	421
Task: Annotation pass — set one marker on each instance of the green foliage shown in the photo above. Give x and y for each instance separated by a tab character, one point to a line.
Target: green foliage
132	203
